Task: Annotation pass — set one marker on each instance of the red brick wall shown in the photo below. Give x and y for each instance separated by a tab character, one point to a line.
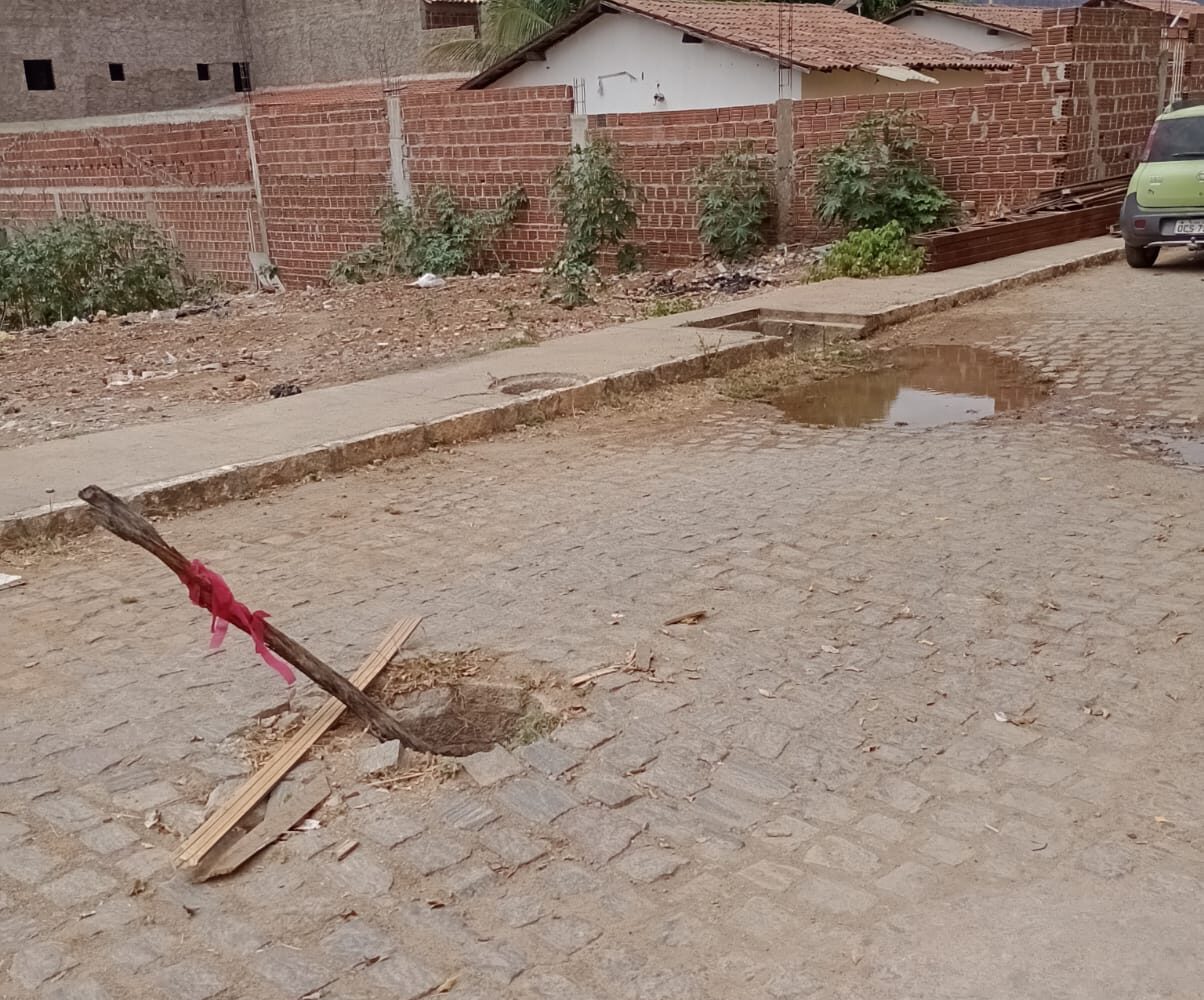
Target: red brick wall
483	143
323	161
1076	107
1115	87
663	151
191	178
992	147
1193	72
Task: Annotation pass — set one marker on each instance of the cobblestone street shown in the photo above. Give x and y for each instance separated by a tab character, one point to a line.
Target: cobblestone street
939	735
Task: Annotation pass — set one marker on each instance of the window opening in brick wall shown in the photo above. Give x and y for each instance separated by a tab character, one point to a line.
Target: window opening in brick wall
116	72
202	71
451	15
242	77
39	74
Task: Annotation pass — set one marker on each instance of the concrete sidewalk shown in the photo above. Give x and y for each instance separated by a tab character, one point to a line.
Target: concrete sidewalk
240	450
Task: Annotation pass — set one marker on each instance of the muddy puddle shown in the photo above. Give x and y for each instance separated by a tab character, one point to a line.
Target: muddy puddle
1181	451
917	387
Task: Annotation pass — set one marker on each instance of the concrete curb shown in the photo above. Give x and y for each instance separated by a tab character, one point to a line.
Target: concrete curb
975	293
235	482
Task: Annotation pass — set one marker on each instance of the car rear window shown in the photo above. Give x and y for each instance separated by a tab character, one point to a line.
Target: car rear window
1177	139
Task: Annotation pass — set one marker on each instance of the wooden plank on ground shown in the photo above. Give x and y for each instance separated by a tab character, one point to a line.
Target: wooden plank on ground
205	836
285	810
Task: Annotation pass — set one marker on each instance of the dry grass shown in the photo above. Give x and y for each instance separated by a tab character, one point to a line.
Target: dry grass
419	673
262	739
536	723
764	379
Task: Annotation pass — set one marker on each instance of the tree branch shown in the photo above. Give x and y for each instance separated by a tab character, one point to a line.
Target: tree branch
118	517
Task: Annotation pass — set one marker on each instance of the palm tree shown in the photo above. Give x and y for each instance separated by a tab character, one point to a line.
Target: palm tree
506	25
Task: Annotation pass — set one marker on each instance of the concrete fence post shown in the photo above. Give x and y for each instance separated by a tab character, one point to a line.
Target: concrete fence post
261	220
783	172
399	151
578	130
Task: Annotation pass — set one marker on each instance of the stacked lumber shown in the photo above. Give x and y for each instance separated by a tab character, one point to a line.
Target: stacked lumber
1061	216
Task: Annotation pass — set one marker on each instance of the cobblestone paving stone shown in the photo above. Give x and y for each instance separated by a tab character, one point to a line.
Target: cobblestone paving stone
818	799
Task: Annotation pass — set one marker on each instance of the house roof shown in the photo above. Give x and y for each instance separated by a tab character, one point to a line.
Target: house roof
814	36
1017	20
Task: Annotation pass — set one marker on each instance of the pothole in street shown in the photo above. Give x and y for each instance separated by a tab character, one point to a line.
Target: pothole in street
915	388
517	385
470	701
459	703
463	719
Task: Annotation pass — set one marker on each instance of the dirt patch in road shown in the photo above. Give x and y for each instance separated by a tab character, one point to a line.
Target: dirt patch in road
463	702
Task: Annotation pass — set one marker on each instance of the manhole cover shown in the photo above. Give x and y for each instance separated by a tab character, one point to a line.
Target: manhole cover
918	387
516	385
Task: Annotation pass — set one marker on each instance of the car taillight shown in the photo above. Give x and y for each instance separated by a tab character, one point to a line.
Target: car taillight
1139	223
1149	145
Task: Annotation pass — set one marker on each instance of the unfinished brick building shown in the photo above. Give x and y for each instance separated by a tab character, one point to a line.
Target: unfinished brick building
66	59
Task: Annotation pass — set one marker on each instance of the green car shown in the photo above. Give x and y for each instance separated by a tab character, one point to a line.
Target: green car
1164	206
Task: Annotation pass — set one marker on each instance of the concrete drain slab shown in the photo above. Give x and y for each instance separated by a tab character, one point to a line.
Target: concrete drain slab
518	385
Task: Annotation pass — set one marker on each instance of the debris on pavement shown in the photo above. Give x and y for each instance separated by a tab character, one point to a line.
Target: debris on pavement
1021	718
592	675
207	835
8	580
689	618
282	389
377	759
639	659
287	807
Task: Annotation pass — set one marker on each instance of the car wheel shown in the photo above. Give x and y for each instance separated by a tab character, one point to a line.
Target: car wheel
1141	256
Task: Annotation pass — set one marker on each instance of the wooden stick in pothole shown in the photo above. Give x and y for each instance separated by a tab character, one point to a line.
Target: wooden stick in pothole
209	591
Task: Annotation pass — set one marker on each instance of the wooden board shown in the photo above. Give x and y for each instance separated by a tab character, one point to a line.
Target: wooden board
205	836
285	810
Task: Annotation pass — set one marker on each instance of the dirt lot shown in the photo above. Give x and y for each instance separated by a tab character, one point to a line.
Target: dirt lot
86	377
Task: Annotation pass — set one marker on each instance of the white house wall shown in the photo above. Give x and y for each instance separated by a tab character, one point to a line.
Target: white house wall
624	61
959	31
688	76
844	83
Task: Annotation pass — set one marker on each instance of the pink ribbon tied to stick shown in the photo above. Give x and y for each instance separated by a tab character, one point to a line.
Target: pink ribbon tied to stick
206	589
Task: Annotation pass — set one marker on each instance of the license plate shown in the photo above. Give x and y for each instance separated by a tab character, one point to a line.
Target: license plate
1189	227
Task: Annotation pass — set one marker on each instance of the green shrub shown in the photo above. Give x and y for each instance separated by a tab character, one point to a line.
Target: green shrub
597	206
877	175
433	235
872	253
733	199
85	264
670	307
